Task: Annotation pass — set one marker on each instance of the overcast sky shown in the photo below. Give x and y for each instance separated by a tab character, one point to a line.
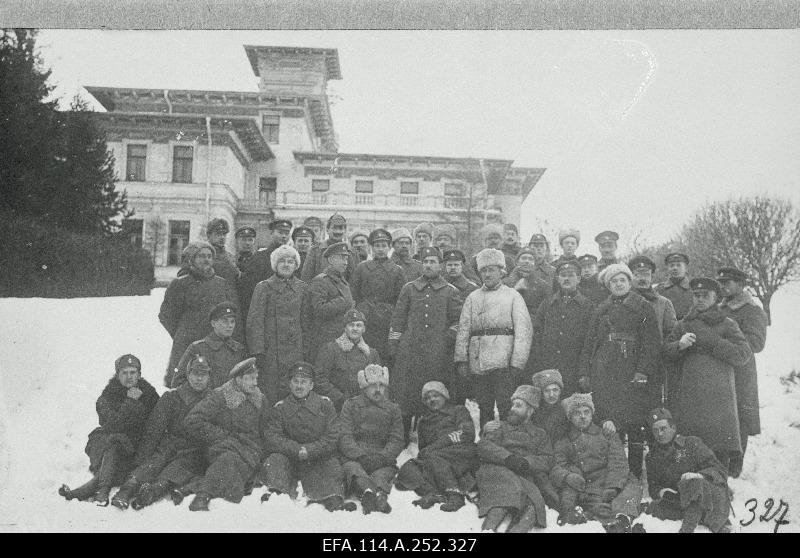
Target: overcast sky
637	129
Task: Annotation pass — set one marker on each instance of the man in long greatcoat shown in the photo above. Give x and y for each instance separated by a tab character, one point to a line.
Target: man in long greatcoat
676	287
330	297
752	320
224	262
259	266
590	285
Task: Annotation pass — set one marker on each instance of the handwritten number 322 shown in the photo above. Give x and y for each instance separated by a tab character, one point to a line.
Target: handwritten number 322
768	515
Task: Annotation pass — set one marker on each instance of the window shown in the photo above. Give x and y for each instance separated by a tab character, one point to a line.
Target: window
178	239
320	185
363	186
133	229
455	196
137	157
182	158
271	125
267	190
454	189
409	187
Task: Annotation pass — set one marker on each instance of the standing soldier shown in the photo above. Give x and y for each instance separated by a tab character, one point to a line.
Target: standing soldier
278	323
303	239
315	224
371	438
300	438
189	300
541	252
676	288
315	261
560	326
375	286
533	289
224	262
621	352
245	245
569	239
219	349
259	267
330	298
445	237
510	245
425	317
607	244
709	346
664	378
492	237
494	338
423	237
454	262
590	285
359	242
752	320
401	242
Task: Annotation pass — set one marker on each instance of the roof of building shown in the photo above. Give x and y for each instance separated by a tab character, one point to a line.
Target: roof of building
331	56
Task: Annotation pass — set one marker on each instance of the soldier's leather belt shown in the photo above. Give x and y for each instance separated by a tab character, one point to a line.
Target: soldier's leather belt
492	331
621	337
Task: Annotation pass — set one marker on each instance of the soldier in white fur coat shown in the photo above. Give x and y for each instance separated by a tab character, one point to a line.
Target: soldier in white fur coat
494	337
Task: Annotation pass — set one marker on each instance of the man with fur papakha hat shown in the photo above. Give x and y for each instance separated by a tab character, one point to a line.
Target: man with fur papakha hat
550	415
591	471
371	438
494	338
513	453
444	469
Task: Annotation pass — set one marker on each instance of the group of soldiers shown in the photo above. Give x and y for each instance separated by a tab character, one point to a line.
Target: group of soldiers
319	360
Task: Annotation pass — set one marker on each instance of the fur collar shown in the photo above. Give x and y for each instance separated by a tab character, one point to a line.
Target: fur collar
116	389
736	302
201	275
712	316
632	300
235	397
188	395
346	345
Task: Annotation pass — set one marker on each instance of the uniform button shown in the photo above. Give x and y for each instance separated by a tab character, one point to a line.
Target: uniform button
558	352
426	315
561	333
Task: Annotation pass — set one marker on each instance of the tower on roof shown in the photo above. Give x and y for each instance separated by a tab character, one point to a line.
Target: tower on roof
294	70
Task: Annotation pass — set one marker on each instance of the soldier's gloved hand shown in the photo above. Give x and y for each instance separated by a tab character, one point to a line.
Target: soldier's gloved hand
455	436
134	393
371	462
585	384
517	464
609	494
463	369
609	428
491	426
574	480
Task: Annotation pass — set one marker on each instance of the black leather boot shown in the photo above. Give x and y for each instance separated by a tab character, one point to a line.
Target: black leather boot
200	502
83	492
122	499
454	501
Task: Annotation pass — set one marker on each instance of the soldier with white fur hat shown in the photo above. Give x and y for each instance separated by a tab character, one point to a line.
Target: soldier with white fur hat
371	438
491	237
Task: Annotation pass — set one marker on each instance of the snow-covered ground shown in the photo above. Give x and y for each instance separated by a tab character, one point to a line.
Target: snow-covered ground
56	356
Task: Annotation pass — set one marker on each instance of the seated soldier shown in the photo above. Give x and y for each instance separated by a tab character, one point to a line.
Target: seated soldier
511	453
220	350
550	414
444	469
339	361
685	479
300	440
228	423
167	458
122	409
371	430
591	471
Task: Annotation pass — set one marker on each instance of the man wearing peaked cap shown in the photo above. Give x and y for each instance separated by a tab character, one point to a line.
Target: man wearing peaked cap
739	305
590	285
375	287
515	458
224	262
222	309
245	245
401	242
302	238
127	360
532	286
542	268
454	261
607	243
705	284
676	287
371	429
284	226
315	263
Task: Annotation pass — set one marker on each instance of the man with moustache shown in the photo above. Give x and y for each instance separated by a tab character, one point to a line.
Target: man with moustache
359	242
524	280
454	261
401	242
303	239
492	237
590	285
259	266
245	245
510	245
676	288
607	244
315	262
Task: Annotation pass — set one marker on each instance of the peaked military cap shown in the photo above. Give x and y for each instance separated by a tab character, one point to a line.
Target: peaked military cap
569	263
454	255
245	367
302	369
379	234
283	224
246	231
642	262
223	309
127	360
731	274
218	224
336	248
587	259
199	363
704	284
538	238
336	219
430	251
676	257
510	227
606	236
353	316
657	414
303	231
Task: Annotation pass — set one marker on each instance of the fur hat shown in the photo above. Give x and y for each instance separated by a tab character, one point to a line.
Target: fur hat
358	232
353	316
424	228
397	234
373	374
564	233
438	387
491	229
127	360
490	256
546	377
576	401
614	269
218	224
445	230
529	394
194	247
283	251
